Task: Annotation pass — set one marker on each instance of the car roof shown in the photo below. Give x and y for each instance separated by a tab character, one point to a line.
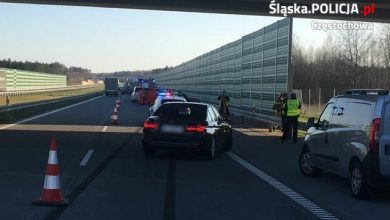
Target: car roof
172	97
187	103
367	95
360	97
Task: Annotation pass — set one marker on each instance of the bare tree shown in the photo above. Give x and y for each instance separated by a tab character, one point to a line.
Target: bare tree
354	47
347	59
384	41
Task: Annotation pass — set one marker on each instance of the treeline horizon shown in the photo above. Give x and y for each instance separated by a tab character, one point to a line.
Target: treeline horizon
59	68
53	68
348	59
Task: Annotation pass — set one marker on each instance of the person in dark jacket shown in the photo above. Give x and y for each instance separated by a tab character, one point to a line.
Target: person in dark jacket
224	104
278	108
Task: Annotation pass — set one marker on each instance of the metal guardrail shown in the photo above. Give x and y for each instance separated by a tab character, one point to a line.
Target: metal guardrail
13	107
272	120
17	111
256	116
34	91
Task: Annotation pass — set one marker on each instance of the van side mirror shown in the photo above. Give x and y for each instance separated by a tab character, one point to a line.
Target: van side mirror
325	124
310	122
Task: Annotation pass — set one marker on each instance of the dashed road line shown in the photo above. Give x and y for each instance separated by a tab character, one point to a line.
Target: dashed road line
57	212
169	203
296	197
105	128
86	158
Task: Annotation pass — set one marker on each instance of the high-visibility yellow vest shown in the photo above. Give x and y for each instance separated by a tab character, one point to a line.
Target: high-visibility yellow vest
292	107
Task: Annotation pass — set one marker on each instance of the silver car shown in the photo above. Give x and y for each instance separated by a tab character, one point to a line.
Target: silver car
352	139
136	94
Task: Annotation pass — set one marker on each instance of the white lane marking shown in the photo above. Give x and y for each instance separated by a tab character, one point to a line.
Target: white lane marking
105	128
86	158
48	113
302	201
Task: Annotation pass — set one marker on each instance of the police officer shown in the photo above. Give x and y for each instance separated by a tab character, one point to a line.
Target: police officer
292	109
180	93
224	104
278	108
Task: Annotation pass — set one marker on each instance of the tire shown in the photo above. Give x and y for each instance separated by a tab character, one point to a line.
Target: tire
358	183
148	150
306	164
210	150
229	142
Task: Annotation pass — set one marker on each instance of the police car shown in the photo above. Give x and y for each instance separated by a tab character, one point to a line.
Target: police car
164	97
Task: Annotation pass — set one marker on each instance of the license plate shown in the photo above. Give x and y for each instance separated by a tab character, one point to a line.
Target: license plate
172	129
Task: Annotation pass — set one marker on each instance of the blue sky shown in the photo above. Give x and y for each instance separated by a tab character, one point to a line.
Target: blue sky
106	39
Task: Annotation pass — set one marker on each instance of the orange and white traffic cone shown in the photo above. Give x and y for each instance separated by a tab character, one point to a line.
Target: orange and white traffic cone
115	111
118	101
52	194
117	106
114	118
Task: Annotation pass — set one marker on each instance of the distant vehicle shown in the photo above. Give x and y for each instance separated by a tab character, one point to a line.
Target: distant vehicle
136	94
187	125
121	87
111	86
127	88
161	99
144	83
352	139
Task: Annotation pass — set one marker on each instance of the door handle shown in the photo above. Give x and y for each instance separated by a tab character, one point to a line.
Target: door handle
326	138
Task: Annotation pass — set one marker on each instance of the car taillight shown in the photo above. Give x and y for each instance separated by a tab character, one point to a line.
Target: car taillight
374	135
196	128
150	125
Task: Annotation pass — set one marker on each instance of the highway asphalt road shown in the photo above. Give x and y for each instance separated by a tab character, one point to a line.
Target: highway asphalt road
259	179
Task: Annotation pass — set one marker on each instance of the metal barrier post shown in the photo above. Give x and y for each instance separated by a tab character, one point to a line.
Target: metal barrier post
7	100
319	100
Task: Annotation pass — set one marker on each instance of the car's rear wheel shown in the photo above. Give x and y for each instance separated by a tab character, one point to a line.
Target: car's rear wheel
210	150
359	187
306	164
148	150
229	142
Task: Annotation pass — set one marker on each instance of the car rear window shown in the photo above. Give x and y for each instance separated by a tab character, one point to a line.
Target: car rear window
182	111
171	100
